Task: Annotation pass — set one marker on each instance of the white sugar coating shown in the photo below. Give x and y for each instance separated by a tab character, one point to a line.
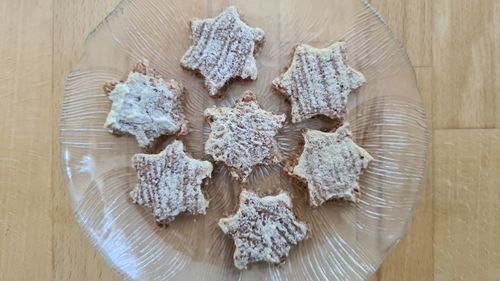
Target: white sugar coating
147	107
263	229
170	183
222	49
243	136
318	81
331	164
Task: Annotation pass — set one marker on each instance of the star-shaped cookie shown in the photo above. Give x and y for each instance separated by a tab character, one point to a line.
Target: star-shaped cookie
331	164
223	48
170	183
263	229
318	81
243	136
146	106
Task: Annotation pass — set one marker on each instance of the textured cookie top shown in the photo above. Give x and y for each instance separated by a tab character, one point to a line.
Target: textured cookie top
331	164
243	136
170	183
318	81
146	106
263	229
223	48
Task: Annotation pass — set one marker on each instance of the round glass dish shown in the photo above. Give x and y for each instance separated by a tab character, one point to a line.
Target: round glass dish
347	242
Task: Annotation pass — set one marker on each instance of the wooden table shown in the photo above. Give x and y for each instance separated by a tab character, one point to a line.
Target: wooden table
453	44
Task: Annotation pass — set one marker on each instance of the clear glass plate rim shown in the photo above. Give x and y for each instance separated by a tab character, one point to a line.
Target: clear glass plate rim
116	13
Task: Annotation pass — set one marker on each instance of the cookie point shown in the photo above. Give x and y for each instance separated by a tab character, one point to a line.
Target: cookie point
178	144
340	43
345	126
259	34
232	9
184	129
249	96
276	82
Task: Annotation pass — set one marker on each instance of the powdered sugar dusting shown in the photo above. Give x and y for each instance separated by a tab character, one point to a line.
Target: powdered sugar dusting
263	229
146	106
243	136
223	48
318	81
170	183
331	164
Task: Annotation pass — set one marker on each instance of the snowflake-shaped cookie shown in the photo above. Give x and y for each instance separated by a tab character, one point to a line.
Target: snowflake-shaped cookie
223	48
331	164
243	136
263	229
170	183
318	81
146	106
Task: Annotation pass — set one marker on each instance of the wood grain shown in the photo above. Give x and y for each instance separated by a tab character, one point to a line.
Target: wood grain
411	22
466	58
26	97
466	205
454	44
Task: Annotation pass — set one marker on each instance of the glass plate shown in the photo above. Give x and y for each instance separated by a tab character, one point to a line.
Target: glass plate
347	241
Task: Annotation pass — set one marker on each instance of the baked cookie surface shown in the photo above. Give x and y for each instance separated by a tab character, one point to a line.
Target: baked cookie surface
146	106
170	183
318	81
223	48
243	136
330	165
263	229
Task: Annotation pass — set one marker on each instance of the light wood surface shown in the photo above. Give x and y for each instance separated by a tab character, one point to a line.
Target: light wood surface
25	140
453	44
466	204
